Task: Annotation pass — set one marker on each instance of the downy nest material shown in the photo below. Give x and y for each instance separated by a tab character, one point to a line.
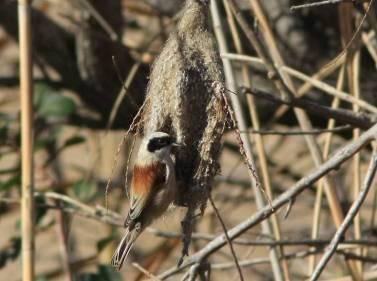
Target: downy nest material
182	101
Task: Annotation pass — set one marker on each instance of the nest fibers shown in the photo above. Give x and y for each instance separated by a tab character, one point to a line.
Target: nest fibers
182	101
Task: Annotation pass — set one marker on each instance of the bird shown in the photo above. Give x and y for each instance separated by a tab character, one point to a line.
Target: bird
153	189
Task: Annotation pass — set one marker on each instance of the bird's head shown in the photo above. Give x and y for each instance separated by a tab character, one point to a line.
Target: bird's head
156	146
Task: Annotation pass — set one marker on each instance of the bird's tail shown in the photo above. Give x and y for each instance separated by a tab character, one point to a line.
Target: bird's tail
124	248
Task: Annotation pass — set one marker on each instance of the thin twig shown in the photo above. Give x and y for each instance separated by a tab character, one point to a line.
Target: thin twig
134	123
227	237
369	178
326	151
245	145
298	133
334	162
325	2
100	19
126	85
146	272
328	89
354	35
259	142
359	120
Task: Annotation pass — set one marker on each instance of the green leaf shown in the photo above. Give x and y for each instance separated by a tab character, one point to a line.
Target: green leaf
11	182
84	190
6	118
16	248
44	143
55	105
105	273
108	273
40	212
101	244
3	133
3	258
73	141
41	92
89	277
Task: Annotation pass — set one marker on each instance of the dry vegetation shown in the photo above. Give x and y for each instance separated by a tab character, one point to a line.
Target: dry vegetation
290	92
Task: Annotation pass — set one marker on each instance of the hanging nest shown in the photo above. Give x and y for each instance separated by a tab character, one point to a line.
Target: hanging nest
182	101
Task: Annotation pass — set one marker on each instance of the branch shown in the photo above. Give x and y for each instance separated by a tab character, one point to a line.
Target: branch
326	2
369	178
227	237
332	164
298	133
359	119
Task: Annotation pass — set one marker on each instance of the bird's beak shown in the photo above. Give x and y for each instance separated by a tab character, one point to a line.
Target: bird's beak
175	144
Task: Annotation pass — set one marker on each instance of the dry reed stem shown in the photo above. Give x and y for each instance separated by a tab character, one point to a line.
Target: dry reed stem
100	19
342	155
367	276
326	88
353	211
307	86
258	138
244	140
356	159
367	40
26	109
145	272
321	3
319	192
301	115
348	44
344	116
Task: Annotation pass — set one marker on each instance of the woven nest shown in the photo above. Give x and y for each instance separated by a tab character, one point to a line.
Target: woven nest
181	101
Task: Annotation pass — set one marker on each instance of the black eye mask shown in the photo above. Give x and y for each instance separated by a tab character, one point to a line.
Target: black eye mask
158	143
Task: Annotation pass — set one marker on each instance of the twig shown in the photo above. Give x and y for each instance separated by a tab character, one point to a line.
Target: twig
286	86
123	92
272	243
307	86
249	164
369	178
226	236
326	151
26	105
134	124
244	263
359	120
367	276
246	142
355	91
354	35
326	2
315	82
100	19
298	133
259	142
146	272
334	162
367	40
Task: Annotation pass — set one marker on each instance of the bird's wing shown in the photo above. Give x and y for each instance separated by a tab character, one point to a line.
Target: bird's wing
146	181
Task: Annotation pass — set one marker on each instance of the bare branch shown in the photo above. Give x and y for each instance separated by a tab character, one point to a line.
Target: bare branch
369	178
333	163
359	119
